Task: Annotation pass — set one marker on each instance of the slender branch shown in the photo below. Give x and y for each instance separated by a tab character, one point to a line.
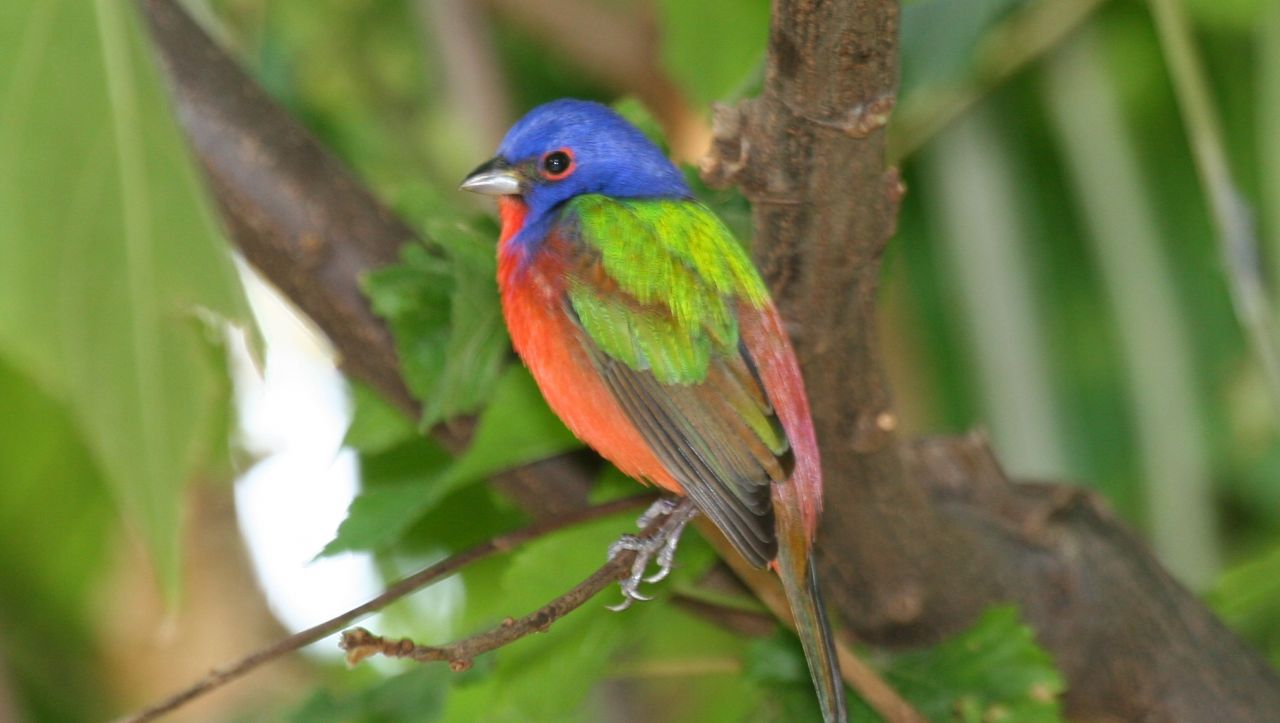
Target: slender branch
360	643
220	676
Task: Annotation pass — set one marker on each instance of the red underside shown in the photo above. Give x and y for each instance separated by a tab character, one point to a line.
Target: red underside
548	342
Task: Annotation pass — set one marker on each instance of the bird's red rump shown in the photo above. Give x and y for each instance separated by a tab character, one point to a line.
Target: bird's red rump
766	339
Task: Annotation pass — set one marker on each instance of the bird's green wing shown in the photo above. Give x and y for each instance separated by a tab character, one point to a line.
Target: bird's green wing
657	288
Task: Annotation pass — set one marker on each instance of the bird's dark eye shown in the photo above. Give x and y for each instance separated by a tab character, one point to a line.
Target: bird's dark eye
557	164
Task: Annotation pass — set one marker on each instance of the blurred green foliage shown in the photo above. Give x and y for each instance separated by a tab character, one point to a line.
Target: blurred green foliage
994	671
110	261
709	71
515	428
115	398
51	483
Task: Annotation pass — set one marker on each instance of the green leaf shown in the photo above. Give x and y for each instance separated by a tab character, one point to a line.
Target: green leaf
468	517
442	307
516	428
107	249
376	425
417	695
57	523
712	70
398	488
413	297
994	671
1248	599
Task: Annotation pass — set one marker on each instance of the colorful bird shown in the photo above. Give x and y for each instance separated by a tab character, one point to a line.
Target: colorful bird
653	337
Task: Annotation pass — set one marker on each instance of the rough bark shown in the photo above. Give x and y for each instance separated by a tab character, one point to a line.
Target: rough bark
919	536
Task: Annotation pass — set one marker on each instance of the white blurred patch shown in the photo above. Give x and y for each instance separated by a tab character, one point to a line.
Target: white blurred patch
293	417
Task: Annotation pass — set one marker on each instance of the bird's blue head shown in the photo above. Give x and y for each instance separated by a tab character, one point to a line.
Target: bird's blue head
566	148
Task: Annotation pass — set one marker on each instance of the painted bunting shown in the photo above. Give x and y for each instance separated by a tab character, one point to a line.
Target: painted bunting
653	337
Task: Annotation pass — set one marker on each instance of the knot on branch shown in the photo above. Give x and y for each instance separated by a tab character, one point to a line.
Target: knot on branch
730	151
360	644
874	430
862	119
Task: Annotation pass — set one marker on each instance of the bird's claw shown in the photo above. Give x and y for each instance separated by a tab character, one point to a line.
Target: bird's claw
667	554
659	548
661	507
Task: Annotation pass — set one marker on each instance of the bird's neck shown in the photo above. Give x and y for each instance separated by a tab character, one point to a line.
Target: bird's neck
523	240
525	228
512	211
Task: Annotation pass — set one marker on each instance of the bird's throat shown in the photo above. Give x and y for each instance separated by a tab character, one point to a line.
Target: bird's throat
511	211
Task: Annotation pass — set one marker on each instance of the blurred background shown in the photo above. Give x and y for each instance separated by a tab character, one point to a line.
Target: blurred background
1085	268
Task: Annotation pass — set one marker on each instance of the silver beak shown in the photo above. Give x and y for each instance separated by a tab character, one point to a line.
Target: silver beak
495	177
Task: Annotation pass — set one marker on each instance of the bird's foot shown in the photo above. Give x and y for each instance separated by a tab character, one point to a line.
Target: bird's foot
659	547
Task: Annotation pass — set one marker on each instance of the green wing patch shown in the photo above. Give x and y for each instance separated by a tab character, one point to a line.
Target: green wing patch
659	284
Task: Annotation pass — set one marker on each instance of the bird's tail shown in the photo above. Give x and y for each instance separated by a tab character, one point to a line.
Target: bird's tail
801	585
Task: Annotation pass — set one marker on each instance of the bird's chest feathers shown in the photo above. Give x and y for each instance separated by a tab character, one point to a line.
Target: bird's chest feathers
532	280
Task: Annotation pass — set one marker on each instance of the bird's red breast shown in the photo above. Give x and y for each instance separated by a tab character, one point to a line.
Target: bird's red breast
549	342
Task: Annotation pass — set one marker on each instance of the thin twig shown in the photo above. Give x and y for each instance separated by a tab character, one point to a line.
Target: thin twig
1232	217
360	643
219	677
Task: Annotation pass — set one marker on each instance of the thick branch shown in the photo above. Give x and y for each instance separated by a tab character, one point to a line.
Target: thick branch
311	228
809	154
917	539
294	210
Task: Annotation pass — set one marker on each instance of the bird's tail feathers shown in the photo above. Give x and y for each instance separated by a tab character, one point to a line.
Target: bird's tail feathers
800	582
